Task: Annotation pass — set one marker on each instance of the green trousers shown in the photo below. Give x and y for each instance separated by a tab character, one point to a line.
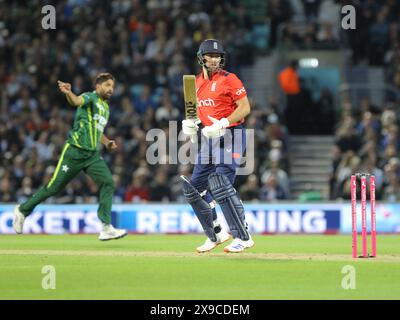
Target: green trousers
71	162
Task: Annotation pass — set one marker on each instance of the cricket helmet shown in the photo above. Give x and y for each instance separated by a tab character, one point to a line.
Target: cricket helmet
211	46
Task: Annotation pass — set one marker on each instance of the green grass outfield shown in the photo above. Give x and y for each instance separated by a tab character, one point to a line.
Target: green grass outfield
166	267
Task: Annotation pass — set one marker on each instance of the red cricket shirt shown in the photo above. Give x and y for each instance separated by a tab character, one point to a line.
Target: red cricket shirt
216	97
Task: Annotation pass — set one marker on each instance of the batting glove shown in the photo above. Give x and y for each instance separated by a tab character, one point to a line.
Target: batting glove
217	129
189	128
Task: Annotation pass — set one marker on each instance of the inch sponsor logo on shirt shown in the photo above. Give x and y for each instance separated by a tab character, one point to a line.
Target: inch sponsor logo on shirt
206	103
240	91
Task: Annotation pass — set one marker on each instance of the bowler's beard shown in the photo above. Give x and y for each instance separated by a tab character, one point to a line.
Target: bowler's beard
104	96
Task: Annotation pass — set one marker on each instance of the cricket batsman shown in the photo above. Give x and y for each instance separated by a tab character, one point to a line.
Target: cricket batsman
81	152
222	106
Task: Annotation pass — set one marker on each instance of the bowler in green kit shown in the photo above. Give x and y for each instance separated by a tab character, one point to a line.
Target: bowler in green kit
81	152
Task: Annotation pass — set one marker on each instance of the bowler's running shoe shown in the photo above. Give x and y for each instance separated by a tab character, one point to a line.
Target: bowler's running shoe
239	245
208	245
18	220
111	233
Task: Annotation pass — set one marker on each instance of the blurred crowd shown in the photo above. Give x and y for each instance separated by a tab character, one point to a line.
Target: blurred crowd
315	24
367	135
147	46
304	24
376	39
367	141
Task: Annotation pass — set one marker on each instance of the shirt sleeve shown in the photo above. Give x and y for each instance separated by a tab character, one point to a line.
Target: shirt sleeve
87	97
235	88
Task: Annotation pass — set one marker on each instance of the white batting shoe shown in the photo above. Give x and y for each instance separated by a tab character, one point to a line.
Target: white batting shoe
239	245
18	220
223	236
111	233
208	245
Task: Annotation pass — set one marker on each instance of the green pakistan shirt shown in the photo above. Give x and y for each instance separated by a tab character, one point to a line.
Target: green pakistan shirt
90	119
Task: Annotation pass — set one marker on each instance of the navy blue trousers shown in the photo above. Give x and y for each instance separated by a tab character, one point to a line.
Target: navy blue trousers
222	155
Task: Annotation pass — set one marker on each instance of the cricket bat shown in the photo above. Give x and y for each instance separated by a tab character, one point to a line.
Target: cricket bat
189	95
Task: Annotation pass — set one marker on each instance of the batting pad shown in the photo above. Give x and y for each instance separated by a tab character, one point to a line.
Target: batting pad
200	207
232	208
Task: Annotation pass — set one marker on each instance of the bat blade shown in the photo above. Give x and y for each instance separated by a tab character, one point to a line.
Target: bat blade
189	95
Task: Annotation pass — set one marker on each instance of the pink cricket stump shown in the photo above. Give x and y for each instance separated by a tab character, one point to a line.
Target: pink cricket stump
364	215
353	192
373	216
